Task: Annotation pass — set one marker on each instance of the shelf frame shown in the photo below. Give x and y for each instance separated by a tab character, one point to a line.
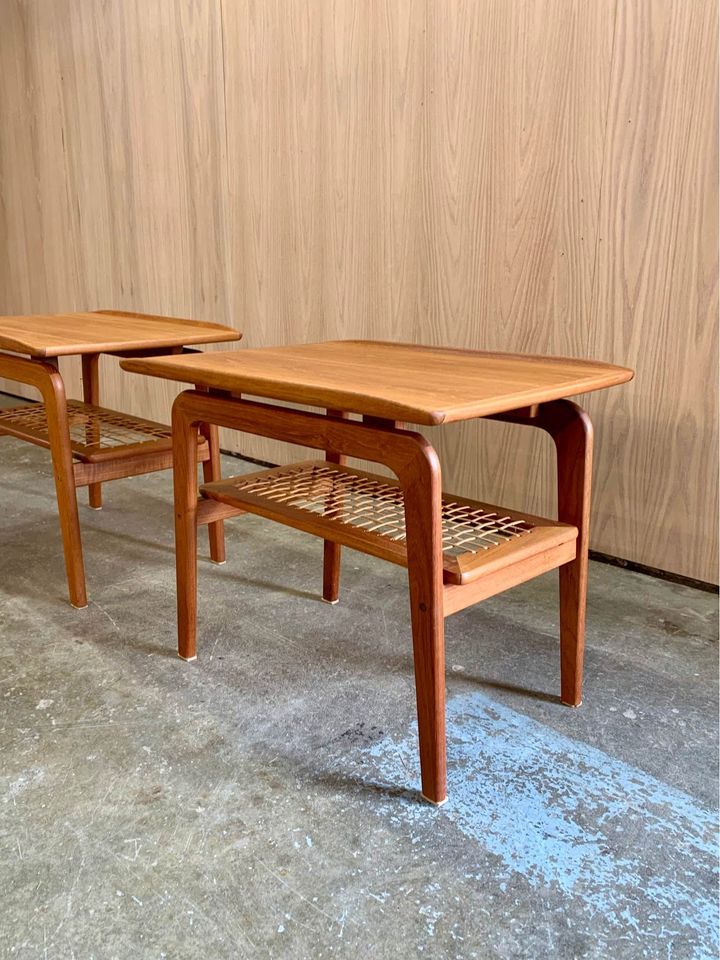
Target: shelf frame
413	460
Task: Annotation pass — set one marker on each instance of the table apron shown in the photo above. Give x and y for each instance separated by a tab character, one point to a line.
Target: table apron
396	448
399	449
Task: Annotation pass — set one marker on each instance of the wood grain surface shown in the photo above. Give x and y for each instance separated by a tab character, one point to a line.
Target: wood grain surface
57	335
519	175
655	297
389	381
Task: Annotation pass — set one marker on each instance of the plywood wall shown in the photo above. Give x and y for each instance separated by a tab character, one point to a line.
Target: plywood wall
532	175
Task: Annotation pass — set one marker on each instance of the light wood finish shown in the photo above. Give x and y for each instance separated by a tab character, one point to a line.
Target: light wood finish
458	597
44	377
415	463
348	438
422	487
94	433
375	525
526	175
656	277
87	473
409	521
212	471
107	331
332	551
572	432
185	493
424	385
91	396
108	444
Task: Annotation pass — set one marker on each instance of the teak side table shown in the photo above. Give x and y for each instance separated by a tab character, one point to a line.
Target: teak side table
106	444
457	551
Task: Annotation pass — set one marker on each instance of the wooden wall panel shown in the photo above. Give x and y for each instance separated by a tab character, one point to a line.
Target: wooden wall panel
38	258
533	175
116	170
656	288
273	88
512	181
326	115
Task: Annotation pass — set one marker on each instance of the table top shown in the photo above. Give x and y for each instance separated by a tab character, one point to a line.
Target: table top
397	381
106	331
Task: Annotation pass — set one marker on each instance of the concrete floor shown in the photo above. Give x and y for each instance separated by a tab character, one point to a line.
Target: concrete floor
261	802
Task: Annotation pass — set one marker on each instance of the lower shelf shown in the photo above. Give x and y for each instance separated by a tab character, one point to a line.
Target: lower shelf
95	433
366	511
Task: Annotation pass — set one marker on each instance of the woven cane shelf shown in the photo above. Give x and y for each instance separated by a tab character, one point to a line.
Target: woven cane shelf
95	433
366	511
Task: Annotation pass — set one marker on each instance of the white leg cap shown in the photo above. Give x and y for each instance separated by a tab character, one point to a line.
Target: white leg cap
435	803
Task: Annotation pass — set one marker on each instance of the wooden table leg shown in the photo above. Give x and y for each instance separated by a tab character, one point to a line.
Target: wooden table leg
412	459
45	377
422	493
573	435
332	551
212	471
59	437
185	494
91	395
572	432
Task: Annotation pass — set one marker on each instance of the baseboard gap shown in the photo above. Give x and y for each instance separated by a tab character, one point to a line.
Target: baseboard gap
654	572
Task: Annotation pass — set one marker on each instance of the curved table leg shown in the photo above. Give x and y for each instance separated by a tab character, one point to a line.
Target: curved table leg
415	463
571	429
573	436
45	377
422	492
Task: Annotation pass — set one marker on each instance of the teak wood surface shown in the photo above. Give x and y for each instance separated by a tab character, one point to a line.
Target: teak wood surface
105	331
425	385
385	383
45	337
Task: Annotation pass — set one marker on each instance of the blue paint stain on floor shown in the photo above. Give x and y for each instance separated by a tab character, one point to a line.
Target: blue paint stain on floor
560	813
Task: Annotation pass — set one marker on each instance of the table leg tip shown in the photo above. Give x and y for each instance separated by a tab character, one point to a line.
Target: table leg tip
218	563
188	659
79	606
567	703
330	603
434	803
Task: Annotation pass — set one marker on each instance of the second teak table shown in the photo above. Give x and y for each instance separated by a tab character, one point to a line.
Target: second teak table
88	443
457	551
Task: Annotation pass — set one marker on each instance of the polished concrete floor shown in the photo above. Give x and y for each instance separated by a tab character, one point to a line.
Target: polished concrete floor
261	802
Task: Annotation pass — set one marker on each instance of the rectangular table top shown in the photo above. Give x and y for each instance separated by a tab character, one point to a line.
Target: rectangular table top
106	331
397	381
